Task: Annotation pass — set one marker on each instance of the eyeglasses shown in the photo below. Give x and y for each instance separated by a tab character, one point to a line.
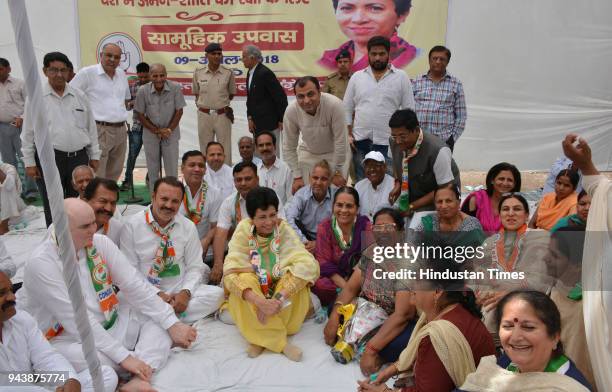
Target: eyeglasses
384	227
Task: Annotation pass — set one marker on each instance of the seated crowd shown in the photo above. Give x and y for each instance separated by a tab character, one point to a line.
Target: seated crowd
264	251
154	269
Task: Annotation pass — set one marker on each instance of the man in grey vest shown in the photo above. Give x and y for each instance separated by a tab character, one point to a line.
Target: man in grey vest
421	163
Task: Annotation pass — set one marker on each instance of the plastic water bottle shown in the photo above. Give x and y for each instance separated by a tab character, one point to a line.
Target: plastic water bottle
321	315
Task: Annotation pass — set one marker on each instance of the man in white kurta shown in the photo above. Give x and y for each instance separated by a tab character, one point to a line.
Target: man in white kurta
102	194
272	171
201	201
218	174
134	335
11	204
596	261
375	188
23	348
164	246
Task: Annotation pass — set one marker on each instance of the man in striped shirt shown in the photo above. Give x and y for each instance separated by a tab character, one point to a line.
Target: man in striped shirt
440	102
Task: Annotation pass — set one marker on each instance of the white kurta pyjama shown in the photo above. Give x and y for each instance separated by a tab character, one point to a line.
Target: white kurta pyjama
25	349
140	329
140	244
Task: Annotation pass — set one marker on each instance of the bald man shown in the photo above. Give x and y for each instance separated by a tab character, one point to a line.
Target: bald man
159	105
134	332
81	177
106	87
24	348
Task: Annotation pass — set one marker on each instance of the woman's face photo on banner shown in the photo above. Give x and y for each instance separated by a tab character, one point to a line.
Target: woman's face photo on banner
360	20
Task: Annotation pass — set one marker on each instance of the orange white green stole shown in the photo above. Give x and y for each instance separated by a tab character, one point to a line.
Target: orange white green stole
103	286
237	213
404	199
498	255
163	264
194	213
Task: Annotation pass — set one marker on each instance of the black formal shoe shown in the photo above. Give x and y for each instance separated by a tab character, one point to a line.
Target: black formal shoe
125	186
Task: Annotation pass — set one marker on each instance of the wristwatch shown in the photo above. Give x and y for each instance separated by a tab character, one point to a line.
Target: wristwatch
279	297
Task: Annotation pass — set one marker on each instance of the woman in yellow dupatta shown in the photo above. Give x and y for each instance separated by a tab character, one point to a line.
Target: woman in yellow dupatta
267	273
559	204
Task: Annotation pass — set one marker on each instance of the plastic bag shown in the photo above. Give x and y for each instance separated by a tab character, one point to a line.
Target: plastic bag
368	316
353	333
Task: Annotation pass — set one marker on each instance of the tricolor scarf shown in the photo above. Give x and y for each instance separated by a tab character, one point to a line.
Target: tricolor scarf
498	254
404	199
342	243
257	255
163	264
195	213
103	286
237	215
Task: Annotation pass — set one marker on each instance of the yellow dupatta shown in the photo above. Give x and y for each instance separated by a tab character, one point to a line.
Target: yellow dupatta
293	255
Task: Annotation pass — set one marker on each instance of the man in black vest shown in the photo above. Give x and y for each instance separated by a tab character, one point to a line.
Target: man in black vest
266	99
429	165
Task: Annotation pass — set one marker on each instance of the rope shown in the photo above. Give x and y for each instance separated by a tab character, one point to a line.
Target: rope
44	147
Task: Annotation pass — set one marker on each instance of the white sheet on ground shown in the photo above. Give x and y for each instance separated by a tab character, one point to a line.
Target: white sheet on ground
218	362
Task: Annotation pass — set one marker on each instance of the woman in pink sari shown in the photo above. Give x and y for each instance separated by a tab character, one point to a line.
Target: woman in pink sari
484	204
339	244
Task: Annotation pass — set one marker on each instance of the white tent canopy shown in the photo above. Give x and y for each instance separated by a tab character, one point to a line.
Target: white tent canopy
532	71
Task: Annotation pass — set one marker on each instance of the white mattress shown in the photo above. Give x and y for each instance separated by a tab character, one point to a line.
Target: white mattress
218	362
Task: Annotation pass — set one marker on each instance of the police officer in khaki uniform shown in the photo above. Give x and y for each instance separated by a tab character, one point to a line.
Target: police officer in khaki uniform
336	85
214	87
338	81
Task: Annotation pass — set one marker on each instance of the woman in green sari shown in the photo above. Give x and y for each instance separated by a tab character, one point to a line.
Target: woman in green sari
457	228
579	219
